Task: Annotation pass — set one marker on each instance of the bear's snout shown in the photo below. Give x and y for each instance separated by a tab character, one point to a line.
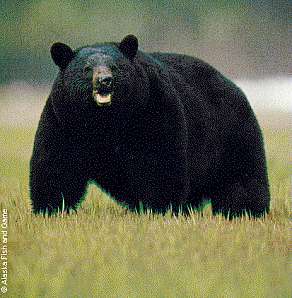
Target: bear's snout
104	84
102	81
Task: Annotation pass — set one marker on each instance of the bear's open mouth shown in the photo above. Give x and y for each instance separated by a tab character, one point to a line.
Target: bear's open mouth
102	99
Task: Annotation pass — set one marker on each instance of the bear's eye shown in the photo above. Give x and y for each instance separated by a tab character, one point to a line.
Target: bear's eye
88	72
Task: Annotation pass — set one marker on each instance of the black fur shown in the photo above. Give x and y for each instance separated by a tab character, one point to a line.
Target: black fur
177	132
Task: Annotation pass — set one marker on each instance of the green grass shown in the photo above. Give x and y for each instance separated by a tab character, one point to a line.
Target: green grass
105	251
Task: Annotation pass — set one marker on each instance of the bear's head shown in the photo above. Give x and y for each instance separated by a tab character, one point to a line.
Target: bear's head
100	81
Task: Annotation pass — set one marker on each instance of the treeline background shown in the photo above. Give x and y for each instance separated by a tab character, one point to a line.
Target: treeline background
243	39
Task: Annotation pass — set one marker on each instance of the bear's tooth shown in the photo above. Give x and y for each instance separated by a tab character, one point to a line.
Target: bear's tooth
102	99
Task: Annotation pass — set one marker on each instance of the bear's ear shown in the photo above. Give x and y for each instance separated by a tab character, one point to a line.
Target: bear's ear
61	54
129	46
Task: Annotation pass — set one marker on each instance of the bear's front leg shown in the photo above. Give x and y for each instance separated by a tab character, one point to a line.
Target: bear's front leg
57	177
145	180
165	183
154	155
153	180
55	187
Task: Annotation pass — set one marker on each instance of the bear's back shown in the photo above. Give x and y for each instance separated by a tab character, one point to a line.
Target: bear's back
204	81
191	68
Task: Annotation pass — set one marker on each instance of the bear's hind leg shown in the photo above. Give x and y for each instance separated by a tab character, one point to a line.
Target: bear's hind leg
239	198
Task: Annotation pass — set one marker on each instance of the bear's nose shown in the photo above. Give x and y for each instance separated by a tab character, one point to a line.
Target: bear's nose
106	81
104	84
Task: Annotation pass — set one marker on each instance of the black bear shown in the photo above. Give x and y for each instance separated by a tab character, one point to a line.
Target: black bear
158	130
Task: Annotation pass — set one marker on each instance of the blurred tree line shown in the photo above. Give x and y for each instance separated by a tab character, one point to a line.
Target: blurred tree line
241	38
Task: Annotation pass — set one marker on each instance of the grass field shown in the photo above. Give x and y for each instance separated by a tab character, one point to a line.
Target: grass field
105	251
